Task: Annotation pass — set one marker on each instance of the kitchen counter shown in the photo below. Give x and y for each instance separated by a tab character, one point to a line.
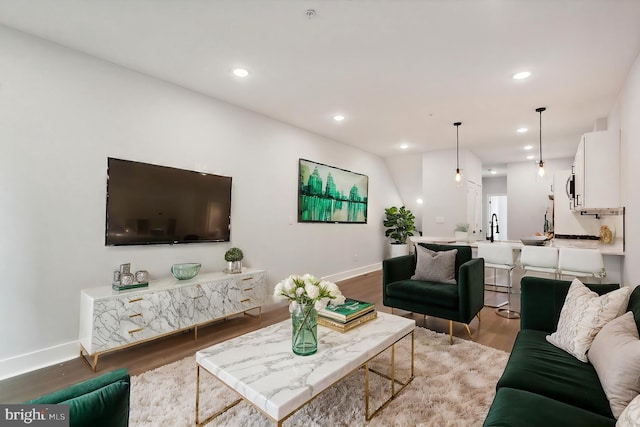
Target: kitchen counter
616	248
613	254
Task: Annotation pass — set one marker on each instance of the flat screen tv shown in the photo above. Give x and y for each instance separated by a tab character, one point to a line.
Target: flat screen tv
150	204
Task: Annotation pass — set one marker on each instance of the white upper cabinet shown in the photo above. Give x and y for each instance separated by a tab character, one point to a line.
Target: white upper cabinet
597	171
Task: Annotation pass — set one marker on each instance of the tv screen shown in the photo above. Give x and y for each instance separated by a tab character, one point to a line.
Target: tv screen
151	204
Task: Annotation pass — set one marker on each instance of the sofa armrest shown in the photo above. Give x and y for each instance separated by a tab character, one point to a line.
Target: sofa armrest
541	301
98	402
471	288
398	268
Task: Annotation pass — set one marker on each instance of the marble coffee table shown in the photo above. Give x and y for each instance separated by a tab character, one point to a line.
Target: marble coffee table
261	368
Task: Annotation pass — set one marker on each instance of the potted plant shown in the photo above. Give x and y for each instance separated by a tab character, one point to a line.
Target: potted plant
400	225
234	258
461	232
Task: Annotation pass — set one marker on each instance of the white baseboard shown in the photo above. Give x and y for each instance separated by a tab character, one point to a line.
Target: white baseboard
353	273
24	363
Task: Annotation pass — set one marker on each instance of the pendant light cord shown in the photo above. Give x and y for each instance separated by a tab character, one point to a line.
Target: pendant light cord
540	135
457	125
540	110
457	148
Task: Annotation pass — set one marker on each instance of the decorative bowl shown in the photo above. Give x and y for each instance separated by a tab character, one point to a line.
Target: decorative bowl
185	271
534	240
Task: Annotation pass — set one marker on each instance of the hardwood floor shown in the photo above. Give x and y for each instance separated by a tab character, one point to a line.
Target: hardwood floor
492	331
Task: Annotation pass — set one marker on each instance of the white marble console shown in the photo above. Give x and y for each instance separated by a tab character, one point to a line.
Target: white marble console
111	320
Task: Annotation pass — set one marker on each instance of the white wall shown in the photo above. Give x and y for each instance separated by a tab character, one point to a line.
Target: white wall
63	113
406	171
624	116
528	196
492	186
443	197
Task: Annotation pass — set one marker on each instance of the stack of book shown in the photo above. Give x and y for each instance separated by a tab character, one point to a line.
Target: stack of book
347	316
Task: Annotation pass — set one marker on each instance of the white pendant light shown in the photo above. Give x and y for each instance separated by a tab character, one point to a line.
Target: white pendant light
458	176
541	163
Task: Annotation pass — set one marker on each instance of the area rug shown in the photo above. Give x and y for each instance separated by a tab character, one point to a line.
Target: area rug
453	386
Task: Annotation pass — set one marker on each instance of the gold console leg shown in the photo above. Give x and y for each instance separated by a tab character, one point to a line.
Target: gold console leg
93	366
450	331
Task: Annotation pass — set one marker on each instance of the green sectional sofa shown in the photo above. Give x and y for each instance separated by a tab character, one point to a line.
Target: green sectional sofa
99	402
543	385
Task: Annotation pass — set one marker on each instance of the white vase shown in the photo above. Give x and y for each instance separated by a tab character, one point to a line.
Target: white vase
398	249
461	236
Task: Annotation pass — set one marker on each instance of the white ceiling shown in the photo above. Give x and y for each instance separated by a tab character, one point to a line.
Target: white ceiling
399	70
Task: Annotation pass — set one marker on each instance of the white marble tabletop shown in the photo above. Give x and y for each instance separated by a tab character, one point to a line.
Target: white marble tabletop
261	367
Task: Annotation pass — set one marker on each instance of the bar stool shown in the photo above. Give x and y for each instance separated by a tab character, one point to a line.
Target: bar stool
581	263
500	256
540	259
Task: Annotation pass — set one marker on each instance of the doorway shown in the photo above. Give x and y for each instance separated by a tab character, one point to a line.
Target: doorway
497	204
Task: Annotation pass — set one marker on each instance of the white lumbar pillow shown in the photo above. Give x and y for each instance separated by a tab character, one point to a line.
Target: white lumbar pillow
582	316
615	354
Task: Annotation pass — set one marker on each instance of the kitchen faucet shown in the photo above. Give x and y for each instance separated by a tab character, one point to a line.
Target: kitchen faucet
491	225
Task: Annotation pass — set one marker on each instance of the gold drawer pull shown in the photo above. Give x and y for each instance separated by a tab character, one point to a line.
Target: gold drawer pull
246	300
247	278
136	299
248	289
135	330
135	315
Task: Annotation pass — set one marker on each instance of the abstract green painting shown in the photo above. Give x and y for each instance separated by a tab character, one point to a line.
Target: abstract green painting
330	194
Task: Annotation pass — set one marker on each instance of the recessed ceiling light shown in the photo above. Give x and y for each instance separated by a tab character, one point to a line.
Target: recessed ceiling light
528	147
240	72
404	146
531	157
338	117
522	130
419	201
493	172
522	75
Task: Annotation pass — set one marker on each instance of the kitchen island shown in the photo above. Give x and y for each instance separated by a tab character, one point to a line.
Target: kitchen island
613	254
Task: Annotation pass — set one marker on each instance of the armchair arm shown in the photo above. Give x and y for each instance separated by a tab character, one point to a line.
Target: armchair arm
471	288
398	268
541	301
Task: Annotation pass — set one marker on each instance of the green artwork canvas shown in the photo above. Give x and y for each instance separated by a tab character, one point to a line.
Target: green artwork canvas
330	194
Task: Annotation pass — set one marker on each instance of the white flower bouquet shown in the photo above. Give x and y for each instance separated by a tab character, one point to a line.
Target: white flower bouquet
306	290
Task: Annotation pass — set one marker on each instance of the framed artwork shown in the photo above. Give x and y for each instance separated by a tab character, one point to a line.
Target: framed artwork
330	194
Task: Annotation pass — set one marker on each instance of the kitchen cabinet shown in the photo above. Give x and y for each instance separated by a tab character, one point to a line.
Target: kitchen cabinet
597	171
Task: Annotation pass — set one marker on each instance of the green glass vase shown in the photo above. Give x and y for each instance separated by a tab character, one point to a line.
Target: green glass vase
304	336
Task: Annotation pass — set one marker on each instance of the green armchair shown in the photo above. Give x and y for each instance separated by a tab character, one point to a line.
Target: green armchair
459	302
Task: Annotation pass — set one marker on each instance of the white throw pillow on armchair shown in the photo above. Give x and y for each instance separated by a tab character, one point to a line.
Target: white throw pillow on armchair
582	316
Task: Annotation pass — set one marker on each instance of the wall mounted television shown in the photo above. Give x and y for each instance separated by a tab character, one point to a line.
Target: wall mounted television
150	204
